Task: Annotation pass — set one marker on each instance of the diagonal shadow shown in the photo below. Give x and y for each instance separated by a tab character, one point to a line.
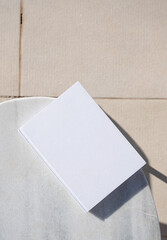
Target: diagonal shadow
130	187
120	196
126	190
147	168
156	173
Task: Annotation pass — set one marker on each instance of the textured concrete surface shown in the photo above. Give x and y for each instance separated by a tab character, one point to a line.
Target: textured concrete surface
34	204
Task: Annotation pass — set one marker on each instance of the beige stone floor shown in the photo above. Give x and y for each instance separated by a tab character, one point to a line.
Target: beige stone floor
116	49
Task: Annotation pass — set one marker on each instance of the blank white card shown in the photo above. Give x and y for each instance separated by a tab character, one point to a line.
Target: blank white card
82	146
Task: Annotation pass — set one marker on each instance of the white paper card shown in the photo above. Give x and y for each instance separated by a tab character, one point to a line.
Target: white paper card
82	146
